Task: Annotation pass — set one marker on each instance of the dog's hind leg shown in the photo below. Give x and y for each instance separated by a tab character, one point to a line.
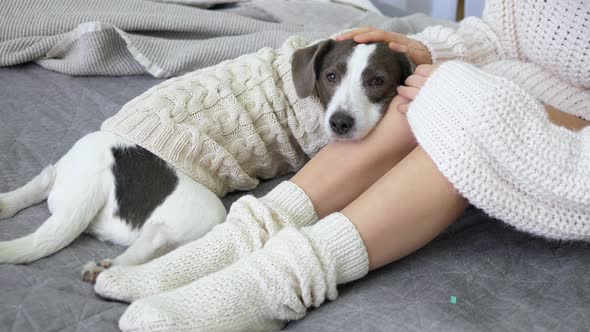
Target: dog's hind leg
71	217
34	192
152	242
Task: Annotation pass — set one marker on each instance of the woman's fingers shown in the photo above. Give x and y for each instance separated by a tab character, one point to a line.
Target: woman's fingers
425	70
403	108
398	100
413	84
398	42
417	52
416	81
398	47
408	92
352	33
381	36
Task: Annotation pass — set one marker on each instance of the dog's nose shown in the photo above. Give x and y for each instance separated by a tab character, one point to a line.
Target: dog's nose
341	123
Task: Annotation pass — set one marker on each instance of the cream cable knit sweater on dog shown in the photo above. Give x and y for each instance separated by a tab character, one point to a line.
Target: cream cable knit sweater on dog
227	125
486	129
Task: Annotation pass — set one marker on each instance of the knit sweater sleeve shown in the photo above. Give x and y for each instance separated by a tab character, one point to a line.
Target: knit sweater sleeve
544	85
477	40
473	41
496	145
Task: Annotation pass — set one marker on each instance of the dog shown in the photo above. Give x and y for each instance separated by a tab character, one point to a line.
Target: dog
354	82
120	192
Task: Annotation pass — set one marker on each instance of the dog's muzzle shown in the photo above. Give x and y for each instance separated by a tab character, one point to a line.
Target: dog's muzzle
341	123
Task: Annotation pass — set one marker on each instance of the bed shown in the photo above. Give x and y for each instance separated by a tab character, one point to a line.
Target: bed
478	275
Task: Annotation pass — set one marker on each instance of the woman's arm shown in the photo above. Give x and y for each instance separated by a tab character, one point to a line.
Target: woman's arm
398	42
415	82
475	40
503	151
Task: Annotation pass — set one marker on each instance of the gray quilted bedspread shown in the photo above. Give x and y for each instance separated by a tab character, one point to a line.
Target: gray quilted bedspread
502	279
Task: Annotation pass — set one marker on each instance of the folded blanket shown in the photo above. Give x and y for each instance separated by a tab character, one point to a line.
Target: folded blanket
167	37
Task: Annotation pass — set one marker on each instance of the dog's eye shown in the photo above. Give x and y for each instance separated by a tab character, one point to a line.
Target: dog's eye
376	82
331	77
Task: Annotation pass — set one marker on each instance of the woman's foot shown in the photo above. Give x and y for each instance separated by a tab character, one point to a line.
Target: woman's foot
295	270
249	224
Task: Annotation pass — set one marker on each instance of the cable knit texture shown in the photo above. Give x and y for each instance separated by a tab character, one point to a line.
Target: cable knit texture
495	143
227	125
249	224
296	269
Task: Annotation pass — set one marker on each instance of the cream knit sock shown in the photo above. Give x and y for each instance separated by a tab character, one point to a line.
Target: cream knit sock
295	270
249	224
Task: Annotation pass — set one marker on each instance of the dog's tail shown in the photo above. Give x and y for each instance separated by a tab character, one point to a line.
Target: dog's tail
34	192
64	226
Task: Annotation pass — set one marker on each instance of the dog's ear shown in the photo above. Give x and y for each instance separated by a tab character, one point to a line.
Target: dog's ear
305	67
407	66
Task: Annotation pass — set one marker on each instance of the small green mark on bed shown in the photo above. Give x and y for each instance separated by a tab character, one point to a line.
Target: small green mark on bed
453	300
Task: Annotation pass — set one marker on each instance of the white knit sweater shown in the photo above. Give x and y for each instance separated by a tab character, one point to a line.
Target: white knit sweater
543	46
230	124
485	127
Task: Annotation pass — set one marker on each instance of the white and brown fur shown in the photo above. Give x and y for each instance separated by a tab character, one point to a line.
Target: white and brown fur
355	83
119	192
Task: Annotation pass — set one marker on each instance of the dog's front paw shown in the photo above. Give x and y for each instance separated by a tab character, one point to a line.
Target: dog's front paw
91	270
105	263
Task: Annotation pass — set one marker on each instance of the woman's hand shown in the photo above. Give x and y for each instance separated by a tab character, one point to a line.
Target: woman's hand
398	42
406	93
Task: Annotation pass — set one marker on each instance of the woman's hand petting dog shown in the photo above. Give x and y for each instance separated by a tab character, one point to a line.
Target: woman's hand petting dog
406	93
398	42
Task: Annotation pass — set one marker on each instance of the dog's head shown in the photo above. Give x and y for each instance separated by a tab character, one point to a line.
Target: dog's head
354	82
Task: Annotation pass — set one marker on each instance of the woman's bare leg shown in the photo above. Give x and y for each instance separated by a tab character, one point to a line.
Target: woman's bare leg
340	172
407	208
332	179
401	212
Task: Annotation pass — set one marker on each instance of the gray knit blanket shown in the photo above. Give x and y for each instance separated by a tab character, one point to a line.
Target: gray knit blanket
167	37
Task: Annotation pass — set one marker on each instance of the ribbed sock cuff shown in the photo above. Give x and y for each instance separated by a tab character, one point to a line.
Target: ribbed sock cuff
338	238
288	198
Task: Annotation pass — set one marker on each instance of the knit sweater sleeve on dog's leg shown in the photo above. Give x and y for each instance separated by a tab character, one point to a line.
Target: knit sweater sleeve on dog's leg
495	143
